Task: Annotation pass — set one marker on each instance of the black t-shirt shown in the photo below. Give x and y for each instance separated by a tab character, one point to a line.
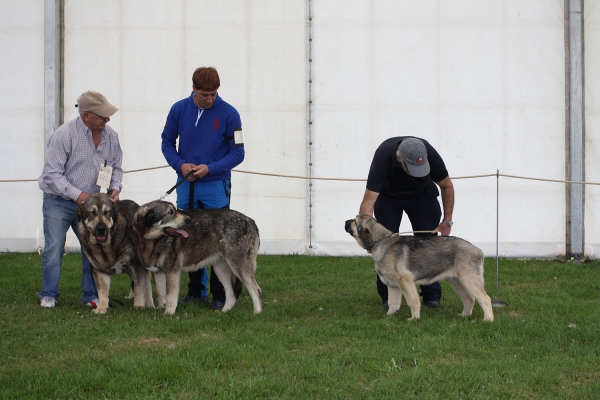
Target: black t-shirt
387	177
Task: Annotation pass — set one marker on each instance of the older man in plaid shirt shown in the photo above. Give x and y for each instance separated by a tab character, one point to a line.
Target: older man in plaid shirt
82	156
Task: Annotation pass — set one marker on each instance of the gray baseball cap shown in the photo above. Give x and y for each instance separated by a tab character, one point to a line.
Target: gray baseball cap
96	103
414	155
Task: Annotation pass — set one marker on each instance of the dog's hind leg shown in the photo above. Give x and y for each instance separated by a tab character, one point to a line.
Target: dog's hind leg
223	271
254	291
475	286
160	284
467	300
103	286
172	279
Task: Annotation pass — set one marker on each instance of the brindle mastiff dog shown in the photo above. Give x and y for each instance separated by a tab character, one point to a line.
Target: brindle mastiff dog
405	261
107	238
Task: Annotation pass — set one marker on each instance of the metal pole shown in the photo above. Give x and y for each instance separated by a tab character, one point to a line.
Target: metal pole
497	220
575	130
52	68
310	116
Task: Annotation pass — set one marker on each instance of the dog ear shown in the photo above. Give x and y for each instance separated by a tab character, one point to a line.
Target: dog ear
138	218
149	219
113	212
80	212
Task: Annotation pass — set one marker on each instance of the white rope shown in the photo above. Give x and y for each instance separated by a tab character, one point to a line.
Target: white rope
341	179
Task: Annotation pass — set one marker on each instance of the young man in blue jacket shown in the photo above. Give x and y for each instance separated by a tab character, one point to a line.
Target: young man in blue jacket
210	145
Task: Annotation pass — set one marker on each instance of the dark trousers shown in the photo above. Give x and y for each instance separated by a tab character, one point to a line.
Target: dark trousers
196	284
424	215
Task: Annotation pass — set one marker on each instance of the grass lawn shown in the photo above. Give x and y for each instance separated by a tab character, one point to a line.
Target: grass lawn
322	335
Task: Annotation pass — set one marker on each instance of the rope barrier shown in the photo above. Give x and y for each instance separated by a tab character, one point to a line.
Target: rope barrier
340	179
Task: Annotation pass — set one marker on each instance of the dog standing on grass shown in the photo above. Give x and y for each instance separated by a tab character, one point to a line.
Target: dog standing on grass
107	237
176	241
404	261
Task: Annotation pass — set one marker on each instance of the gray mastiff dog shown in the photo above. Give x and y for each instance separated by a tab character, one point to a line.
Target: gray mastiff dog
176	241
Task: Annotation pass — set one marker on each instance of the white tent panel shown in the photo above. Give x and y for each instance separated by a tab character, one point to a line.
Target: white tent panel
470	78
592	126
482	80
143	62
22	116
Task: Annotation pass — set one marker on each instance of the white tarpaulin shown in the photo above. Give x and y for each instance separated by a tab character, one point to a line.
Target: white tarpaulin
319	85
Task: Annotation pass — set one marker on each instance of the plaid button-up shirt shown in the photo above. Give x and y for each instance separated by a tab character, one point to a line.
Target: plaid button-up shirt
73	161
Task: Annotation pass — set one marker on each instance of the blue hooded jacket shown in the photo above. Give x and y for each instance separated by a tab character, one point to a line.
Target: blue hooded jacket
206	136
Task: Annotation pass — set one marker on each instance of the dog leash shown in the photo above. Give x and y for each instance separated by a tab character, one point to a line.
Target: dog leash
176	185
404	233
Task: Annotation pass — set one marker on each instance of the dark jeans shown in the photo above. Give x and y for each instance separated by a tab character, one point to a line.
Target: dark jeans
424	215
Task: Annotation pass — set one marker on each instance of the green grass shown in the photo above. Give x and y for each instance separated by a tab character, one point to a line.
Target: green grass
322	335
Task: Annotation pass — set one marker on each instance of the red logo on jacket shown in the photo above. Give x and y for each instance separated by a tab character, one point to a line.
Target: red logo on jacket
216	124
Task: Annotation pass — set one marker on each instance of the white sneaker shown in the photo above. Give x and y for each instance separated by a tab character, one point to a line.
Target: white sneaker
93	303
48	302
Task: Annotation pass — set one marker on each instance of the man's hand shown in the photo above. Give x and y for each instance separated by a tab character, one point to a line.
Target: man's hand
443	229
198	171
114	194
186	168
82	197
201	171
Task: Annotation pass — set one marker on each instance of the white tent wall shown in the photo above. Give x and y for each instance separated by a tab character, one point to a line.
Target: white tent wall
21	122
592	126
143	61
483	81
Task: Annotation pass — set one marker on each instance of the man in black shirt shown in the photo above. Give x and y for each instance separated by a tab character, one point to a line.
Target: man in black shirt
403	177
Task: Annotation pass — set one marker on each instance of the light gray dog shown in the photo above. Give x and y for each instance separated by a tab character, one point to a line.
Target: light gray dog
405	261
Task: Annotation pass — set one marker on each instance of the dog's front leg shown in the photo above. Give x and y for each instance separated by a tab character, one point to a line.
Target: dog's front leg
137	275
394	299
172	278
147	285
160	283
408	288
103	286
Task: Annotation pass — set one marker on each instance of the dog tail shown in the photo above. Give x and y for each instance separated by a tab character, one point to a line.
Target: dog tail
237	287
498	303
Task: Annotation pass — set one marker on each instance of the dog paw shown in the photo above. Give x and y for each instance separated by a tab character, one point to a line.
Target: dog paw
100	310
170	311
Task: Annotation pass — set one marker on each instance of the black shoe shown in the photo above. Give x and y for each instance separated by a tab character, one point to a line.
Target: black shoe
217	305
202	300
434	304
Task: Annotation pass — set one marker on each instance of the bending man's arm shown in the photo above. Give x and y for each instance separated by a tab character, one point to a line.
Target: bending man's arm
447	190
368	203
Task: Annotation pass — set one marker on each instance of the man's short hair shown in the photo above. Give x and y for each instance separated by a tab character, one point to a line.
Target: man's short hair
206	78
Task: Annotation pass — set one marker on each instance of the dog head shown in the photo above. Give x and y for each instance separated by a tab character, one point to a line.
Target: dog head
97	215
362	229
160	218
